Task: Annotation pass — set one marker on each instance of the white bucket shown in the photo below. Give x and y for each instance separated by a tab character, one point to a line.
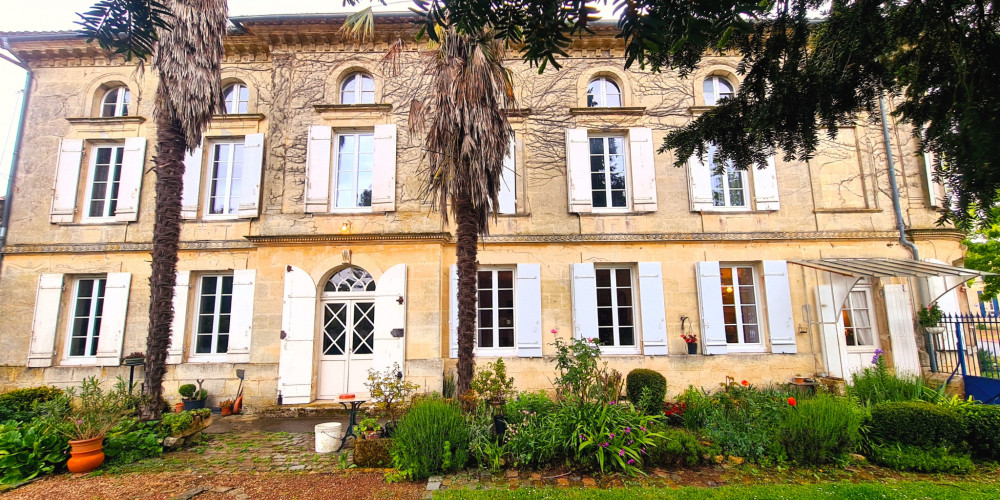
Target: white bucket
328	437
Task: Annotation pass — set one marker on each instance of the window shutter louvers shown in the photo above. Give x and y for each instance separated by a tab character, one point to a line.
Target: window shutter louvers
46	320
713	329
67	180
765	186
453	311
384	179
508	181
192	184
578	171
112	334
528	310
253	163
584	291
241	318
700	177
175	354
318	165
651	308
130	183
778	294
643	170
298	320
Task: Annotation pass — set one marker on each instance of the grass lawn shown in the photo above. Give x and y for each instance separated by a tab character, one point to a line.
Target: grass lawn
863	491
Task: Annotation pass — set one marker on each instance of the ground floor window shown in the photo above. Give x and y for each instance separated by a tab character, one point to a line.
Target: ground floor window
88	308
215	305
495	328
857	319
739	305
615	307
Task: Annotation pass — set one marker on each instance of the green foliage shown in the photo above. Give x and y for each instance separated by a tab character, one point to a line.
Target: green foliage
174	424
820	430
582	377
372	453
929	315
742	420
916	459
131	441
916	423
186	390
364	426
656	385
983	425
390	391
418	445
448	387
532	438
492	384
674	447
90	411
989	367
126	27
610	437
19	404
31	449
876	384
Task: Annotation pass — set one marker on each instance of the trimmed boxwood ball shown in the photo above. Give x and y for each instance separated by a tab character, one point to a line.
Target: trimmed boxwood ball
916	423
638	379
983	424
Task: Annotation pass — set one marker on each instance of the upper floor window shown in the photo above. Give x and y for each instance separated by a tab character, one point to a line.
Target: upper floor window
103	182
602	92
236	97
226	175
88	310
355	164
716	88
729	186
495	323
115	102
607	172
358	88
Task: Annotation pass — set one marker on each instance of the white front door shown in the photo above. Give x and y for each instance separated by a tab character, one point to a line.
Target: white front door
347	347
858	330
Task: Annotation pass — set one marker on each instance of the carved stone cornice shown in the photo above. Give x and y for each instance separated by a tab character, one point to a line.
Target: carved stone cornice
309	239
112	126
353	108
109	120
942	233
728	236
121	247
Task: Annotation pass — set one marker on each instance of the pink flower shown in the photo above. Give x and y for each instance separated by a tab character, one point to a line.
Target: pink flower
621	453
628	430
612	435
555	331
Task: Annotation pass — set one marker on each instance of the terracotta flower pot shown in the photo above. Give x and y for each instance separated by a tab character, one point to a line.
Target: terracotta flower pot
227	410
179	407
86	455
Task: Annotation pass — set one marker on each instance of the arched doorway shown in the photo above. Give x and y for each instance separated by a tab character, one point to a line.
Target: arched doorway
347	333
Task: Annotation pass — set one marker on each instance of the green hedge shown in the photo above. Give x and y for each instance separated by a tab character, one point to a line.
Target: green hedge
820	430
916	459
19	404
640	379
983	425
916	423
372	452
433	437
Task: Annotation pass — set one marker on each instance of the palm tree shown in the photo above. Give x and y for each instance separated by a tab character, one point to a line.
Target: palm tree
188	60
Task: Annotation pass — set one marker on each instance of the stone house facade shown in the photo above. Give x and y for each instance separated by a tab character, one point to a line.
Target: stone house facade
309	255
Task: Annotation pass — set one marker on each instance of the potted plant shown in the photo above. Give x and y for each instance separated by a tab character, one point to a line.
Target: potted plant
88	415
929	317
178	407
390	393
226	407
692	343
367	428
135	359
493	386
194	398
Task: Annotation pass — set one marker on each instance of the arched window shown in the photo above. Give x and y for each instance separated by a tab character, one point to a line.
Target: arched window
237	97
350	279
603	92
358	88
115	102
715	89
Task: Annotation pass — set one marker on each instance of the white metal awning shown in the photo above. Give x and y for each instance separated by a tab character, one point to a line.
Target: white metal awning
890	268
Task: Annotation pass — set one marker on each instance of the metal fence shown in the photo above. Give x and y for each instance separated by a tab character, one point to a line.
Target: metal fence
969	343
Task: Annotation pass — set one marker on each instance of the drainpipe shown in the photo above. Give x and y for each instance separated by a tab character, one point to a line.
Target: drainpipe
16	155
901	226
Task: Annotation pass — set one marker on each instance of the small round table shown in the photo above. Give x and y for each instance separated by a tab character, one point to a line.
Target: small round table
353	413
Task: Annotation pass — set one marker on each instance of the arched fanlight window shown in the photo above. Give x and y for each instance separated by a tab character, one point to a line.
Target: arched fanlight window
350	279
716	88
237	97
603	92
358	88
115	102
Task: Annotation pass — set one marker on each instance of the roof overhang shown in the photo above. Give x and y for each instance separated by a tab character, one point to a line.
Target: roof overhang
890	268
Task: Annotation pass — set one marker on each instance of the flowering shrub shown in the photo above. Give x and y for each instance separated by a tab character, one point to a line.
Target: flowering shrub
581	375
876	384
532	437
929	316
492	384
613	437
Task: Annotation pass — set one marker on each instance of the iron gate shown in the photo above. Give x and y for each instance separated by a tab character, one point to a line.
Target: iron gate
970	343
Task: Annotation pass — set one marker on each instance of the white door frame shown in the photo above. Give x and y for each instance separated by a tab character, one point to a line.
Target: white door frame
859	357
350	300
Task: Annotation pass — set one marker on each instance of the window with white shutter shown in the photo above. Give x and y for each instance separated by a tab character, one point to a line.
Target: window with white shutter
611	173
232	177
724	188
351	171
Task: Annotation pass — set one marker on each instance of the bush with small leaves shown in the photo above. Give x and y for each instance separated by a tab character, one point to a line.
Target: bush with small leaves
653	382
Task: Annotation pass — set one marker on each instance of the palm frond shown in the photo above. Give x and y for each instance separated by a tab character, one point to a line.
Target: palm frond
359	26
126	27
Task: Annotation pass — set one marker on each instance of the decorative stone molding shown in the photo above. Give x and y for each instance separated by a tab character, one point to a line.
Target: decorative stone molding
651	237
353	108
234	124
622	111
124	126
277	240
122	247
926	234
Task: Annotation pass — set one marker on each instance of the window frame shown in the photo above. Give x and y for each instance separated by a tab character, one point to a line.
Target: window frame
636	348
716	94
497	351
869	306
210	357
601	100
209	172
726	188
237	100
113	185
741	346
120	104
626	169
335	174
358	79
93	334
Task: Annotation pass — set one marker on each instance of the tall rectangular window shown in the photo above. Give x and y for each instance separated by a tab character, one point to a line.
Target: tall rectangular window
729	188
215	305
105	174
355	155
607	172
226	175
857	319
88	307
739	304
615	307
496	308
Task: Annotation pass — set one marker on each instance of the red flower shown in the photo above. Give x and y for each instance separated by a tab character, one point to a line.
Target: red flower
745	383
791	401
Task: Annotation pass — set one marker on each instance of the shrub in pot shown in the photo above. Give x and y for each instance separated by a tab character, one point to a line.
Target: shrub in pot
88	415
227	407
193	398
366	429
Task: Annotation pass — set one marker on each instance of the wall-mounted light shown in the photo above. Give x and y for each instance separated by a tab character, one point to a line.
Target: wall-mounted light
345	227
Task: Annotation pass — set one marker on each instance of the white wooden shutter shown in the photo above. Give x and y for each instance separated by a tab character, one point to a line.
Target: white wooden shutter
651	309
384	179
529	310
453	311
318	157
700	179
899	310
713	328
298	323
584	290
67	180
112	335
778	297
43	326
508	181
182	285
192	184
253	162
765	186
130	183
581	197
642	159
830	330
934	189
390	315
241	319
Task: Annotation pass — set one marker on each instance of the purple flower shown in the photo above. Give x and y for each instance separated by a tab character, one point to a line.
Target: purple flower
630	461
582	437
612	402
628	430
621	453
79	421
643	429
878	351
643	450
612	435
